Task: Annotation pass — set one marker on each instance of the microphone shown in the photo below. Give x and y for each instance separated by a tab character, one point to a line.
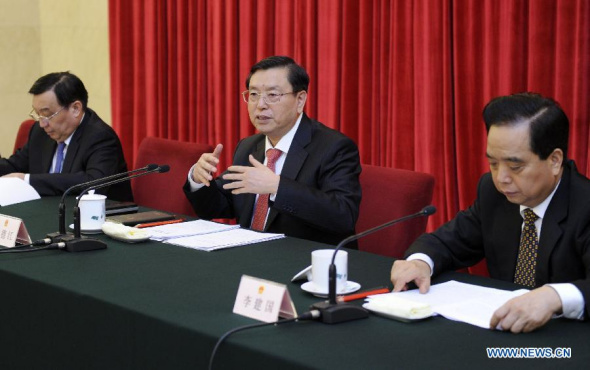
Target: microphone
62	203
78	243
332	312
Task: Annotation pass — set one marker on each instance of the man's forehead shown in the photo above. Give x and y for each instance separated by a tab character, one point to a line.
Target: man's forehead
276	76
45	100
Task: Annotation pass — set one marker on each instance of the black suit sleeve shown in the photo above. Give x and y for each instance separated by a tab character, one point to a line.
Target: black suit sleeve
456	244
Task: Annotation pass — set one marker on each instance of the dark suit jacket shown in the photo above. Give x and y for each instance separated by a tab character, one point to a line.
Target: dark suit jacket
319	191
94	152
491	228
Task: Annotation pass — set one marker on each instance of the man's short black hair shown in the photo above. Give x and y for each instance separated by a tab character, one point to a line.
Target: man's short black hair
298	77
549	126
67	88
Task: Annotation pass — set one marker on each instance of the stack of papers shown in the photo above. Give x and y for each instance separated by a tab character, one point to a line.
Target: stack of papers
207	235
181	229
453	300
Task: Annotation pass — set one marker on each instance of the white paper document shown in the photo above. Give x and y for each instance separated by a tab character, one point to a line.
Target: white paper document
183	229
14	190
225	239
463	302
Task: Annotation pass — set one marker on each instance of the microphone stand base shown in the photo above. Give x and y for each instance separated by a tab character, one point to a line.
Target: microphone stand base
339	312
82	244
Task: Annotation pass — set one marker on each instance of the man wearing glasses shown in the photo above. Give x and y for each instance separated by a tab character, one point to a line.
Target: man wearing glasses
69	144
296	177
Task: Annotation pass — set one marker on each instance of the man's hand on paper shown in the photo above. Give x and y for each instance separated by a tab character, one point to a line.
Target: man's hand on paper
257	179
528	311
404	272
206	166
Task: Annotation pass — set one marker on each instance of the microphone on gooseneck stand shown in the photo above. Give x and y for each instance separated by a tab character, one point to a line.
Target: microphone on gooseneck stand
78	243
56	237
332	312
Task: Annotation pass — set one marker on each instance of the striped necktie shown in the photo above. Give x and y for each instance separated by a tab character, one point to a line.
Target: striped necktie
59	161
259	219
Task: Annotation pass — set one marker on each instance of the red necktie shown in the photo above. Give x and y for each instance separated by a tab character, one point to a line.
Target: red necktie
262	203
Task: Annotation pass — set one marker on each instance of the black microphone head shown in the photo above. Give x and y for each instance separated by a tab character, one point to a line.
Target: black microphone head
428	210
164	168
151	167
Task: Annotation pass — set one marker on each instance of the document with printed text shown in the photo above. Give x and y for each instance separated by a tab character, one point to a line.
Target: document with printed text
225	239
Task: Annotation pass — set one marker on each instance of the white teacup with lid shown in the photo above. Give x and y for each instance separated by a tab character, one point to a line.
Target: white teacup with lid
92	211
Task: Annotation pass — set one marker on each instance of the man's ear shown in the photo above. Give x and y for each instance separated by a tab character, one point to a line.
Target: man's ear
556	160
301	99
76	108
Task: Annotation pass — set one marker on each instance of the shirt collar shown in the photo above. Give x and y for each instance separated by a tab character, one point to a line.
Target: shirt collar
285	142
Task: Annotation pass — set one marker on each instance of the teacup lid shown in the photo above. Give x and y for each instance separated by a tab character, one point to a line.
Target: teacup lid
93	197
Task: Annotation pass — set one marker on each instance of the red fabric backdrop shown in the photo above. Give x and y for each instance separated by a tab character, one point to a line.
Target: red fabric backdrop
407	80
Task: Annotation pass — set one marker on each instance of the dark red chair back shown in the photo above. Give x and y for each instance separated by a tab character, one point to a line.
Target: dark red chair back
22	135
163	191
390	193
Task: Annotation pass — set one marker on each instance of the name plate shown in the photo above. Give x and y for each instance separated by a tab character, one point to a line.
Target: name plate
13	230
263	300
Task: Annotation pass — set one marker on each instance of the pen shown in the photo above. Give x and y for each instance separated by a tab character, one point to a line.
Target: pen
151	224
363	294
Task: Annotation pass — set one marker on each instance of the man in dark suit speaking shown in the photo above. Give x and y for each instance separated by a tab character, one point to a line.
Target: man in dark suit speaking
296	177
530	220
69	144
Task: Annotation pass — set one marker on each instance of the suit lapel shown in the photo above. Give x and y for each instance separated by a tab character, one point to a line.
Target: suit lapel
74	146
507	234
71	153
297	153
295	158
47	152
551	230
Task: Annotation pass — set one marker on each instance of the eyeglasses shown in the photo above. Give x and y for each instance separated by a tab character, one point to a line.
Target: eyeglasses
44	119
270	98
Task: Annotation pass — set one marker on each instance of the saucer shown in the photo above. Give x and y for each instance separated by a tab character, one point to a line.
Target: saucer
309	287
88	232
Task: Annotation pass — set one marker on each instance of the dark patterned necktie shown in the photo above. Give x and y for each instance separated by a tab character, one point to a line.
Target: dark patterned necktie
261	209
527	253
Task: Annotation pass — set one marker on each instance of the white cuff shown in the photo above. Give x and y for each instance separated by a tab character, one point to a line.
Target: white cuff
193	185
572	300
27	178
422	257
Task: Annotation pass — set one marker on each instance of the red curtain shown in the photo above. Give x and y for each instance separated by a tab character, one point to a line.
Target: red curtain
407	80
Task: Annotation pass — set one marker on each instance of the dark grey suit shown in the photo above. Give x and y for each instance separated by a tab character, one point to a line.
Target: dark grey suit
319	192
491	228
94	152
